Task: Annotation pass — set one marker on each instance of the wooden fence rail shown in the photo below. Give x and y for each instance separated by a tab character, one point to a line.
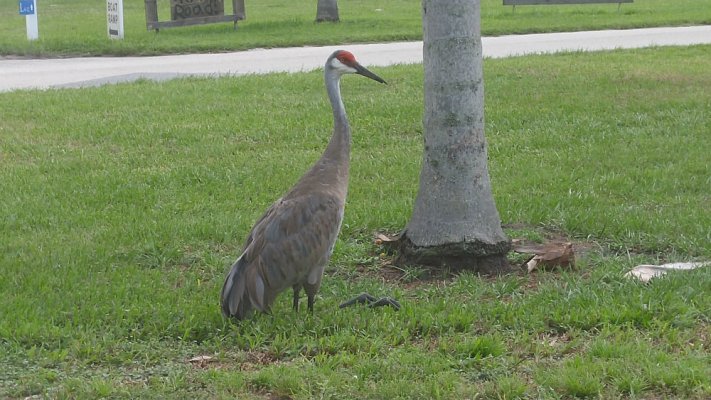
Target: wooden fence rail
515	3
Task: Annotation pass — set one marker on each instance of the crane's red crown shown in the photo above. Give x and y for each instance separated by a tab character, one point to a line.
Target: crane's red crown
346	58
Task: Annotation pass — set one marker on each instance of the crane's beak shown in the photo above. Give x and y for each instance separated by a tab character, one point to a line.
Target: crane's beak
361	70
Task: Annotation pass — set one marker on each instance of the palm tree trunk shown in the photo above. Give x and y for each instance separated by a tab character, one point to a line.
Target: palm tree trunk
455	221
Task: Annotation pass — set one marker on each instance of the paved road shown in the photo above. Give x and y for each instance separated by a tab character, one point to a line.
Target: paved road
93	71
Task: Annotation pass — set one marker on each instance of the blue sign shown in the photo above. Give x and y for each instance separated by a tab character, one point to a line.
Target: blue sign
27	7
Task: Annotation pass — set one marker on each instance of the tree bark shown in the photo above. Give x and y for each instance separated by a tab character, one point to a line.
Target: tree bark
455	221
327	10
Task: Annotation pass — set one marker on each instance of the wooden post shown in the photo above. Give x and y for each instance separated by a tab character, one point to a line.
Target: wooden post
151	14
238	10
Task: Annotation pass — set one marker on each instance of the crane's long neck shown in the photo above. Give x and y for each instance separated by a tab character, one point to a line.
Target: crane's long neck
334	163
330	173
340	145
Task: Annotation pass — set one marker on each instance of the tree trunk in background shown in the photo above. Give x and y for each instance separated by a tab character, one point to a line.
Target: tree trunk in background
454	221
327	10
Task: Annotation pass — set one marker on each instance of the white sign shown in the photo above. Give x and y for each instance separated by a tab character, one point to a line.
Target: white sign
114	18
28	8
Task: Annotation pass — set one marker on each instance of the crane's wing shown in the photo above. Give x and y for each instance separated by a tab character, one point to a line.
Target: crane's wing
266	216
294	237
234	297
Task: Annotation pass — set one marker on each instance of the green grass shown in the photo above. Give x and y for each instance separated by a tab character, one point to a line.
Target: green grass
123	206
78	27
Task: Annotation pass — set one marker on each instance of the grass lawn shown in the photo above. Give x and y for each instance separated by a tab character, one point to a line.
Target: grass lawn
78	27
123	207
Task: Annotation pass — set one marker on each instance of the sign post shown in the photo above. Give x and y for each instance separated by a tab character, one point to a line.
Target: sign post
28	8
114	18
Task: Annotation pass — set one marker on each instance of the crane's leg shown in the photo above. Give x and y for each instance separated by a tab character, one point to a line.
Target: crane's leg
311	298
297	289
311	291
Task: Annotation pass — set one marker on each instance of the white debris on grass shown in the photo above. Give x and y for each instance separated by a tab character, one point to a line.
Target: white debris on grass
646	272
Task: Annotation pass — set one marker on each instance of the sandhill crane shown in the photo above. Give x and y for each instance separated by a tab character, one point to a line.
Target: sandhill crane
290	245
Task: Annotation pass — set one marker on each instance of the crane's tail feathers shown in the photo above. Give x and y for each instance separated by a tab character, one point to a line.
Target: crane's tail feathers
257	297
235	302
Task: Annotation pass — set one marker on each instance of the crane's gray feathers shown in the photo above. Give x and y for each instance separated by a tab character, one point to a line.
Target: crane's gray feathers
288	247
232	294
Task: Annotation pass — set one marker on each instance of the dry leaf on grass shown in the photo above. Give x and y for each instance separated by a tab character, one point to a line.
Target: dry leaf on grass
201	361
383	239
554	254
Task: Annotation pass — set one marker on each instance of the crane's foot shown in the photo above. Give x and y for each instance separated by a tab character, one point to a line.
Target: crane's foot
386	301
363	298
371	301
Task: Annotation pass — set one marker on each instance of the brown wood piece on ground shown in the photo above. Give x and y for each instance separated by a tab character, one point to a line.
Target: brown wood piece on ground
553	254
